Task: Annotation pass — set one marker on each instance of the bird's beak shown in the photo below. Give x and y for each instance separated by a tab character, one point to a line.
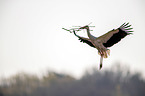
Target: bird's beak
84	27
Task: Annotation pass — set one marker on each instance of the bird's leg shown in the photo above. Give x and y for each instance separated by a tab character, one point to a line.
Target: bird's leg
108	52
101	61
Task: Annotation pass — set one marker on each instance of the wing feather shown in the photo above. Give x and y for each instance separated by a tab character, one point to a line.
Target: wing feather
84	40
123	31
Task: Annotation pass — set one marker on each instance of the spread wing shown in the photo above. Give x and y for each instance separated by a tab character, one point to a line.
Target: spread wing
84	40
114	36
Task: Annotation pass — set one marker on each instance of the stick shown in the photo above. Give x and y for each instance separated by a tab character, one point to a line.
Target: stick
67	30
81	26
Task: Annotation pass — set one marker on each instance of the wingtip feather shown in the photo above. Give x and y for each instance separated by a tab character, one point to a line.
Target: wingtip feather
125	27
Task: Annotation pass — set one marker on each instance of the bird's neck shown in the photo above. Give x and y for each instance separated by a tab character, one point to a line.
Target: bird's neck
92	38
88	32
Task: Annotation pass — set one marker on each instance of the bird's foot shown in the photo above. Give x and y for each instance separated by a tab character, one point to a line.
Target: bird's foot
100	66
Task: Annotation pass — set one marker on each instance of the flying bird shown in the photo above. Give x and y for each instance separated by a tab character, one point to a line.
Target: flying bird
105	41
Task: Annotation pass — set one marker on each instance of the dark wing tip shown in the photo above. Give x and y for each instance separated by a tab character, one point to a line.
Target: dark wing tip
125	27
124	30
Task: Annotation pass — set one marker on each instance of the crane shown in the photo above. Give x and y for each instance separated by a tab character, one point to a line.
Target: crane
105	41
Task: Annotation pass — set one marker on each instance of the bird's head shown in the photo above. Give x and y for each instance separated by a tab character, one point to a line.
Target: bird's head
84	27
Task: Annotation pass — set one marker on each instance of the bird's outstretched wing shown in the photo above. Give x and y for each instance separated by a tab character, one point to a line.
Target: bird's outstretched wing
114	36
84	40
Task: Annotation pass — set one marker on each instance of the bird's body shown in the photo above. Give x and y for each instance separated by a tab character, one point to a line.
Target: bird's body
107	40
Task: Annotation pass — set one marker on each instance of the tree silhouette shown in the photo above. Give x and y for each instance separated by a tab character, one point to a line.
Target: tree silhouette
115	82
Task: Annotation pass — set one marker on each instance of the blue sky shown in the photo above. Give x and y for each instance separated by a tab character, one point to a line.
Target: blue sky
32	39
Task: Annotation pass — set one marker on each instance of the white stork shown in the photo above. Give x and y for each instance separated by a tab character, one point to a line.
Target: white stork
107	40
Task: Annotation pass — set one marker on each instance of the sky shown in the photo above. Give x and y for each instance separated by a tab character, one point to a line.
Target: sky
32	39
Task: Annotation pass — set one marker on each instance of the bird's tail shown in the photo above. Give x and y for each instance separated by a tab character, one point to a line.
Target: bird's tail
105	54
101	62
